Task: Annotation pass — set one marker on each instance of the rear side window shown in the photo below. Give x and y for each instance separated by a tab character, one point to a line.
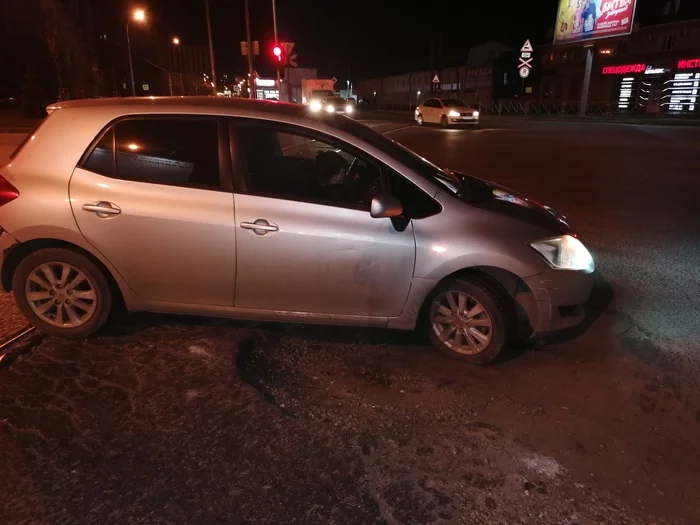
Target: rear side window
170	151
101	158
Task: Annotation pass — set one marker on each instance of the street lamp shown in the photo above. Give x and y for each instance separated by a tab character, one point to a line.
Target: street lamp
175	41
138	15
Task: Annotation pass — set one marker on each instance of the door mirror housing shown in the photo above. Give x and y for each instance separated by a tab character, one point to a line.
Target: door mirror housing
385	205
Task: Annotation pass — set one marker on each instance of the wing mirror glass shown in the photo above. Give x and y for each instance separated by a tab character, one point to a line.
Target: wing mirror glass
385	205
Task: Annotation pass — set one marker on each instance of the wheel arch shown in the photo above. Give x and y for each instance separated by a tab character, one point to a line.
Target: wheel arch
22	250
511	287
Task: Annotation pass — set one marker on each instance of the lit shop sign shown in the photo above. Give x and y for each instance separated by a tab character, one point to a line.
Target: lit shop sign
693	63
655	71
681	92
265	82
624	70
628	93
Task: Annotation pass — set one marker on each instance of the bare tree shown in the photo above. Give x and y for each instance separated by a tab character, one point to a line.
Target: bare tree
54	26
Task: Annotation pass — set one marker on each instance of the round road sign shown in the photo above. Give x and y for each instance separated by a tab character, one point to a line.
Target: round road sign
524	72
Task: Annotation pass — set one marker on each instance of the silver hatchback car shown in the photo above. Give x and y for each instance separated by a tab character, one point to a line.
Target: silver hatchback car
267	211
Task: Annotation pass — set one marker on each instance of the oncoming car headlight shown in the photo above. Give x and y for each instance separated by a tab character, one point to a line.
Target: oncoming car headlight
315	105
565	253
348	108
330	108
475	114
453	113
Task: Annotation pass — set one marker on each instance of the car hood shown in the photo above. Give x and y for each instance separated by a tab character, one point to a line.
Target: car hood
494	197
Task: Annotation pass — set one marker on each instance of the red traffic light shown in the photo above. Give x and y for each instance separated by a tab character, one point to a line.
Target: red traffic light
277	51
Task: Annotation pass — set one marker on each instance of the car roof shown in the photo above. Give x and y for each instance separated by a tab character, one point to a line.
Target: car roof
183	103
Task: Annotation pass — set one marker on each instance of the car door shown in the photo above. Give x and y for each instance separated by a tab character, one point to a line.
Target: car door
306	242
434	118
154	196
427	111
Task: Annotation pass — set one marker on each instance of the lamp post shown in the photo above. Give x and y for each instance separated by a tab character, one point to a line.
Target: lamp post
175	42
139	15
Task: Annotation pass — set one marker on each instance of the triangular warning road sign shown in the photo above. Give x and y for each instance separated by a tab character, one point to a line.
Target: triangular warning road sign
527	47
436	79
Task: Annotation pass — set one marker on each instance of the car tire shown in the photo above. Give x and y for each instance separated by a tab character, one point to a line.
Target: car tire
443	121
81	296
419	119
491	316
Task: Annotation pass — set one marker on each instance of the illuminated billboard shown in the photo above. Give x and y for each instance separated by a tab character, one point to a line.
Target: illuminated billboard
579	20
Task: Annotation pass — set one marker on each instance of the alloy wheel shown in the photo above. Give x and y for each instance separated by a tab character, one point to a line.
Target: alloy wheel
461	322
61	295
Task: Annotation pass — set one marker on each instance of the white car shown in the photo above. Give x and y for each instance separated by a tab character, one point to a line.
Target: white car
446	112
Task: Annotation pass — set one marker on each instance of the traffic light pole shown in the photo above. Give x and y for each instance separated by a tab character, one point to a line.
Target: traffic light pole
211	48
274	25
251	79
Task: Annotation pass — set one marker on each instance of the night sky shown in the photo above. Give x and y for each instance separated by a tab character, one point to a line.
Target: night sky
350	40
362	38
359	37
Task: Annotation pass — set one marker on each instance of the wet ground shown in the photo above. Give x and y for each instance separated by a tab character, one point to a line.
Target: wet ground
174	420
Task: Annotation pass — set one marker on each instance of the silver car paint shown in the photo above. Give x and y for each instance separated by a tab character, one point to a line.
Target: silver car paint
322	259
169	243
459	238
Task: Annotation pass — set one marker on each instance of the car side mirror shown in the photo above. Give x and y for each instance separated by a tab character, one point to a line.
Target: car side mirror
385	205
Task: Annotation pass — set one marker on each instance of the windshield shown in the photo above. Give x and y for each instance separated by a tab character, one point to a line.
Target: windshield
453	103
335	100
405	156
321	93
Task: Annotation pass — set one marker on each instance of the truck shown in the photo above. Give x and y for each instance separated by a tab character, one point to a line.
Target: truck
316	89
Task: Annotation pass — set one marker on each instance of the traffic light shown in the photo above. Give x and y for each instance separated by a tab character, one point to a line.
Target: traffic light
277	51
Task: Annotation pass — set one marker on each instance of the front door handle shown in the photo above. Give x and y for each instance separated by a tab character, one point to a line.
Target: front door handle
259	226
102	209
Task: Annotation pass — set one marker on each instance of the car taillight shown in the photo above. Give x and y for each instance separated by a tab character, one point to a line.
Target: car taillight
8	192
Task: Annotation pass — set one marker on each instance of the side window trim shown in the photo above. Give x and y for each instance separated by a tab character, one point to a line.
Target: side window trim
226	183
239	160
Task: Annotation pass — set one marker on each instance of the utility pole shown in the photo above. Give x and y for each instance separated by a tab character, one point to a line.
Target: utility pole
251	79
274	25
211	46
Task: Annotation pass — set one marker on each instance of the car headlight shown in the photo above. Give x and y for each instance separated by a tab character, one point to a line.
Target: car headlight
330	108
348	108
565	253
476	114
453	113
315	105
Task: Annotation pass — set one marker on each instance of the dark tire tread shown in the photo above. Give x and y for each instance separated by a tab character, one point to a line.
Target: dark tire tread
44	255
504	306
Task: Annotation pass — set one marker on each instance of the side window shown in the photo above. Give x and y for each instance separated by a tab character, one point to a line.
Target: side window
429	103
416	203
438	103
101	158
169	151
294	165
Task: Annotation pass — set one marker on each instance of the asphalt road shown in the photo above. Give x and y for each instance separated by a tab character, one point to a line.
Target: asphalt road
171	420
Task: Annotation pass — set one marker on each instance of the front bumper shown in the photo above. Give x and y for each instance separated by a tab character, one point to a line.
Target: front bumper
6	243
558	300
464	120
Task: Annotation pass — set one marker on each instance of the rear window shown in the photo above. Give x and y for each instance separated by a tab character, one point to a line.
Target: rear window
26	139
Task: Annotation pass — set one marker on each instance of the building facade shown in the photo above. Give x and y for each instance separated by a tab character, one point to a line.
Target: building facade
477	81
654	70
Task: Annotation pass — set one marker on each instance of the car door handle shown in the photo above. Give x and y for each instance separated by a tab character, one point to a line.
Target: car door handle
259	226
102	209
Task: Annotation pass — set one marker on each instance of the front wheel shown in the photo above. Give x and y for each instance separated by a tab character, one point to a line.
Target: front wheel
443	121
469	319
62	293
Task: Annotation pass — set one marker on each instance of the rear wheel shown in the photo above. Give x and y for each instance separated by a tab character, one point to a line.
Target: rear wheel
443	121
469	319
62	293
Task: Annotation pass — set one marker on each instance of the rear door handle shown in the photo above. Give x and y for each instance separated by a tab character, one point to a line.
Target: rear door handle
259	226
102	209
